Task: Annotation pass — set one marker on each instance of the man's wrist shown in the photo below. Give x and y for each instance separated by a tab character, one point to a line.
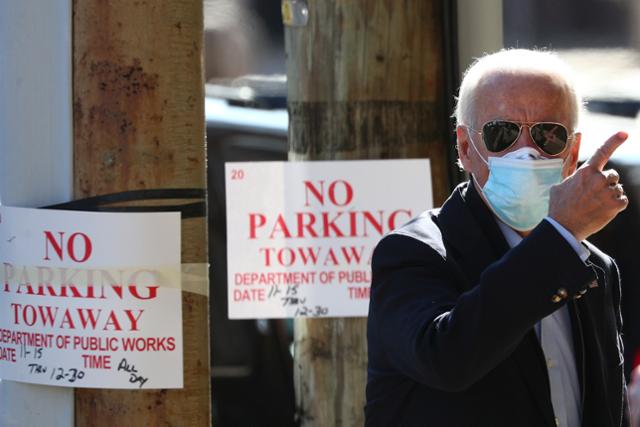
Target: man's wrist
580	249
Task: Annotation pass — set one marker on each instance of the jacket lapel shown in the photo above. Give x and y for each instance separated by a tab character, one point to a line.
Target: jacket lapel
470	233
530	362
474	241
597	410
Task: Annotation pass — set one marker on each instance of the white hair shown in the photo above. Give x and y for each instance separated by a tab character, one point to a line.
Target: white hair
514	61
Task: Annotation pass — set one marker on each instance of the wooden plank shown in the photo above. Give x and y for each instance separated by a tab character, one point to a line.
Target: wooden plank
365	81
139	124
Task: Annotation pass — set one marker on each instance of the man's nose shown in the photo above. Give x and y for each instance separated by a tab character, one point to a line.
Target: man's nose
524	139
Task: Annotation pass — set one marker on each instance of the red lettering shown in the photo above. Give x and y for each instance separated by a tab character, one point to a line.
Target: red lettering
66	319
394	214
352	254
319	195
359	292
57	246
337	223
43	278
96	361
171	344
117	290
328	225
353	224
133	319
283	260
16	307
9	271
113	322
149	344
47	316
253	294
308	225
331	256
96	344
305	255
152	292
28	287
280	226
256	220
360	276
368	217
308	254
348	193
87	247
8	354
68	280
267	255
90	319
30	311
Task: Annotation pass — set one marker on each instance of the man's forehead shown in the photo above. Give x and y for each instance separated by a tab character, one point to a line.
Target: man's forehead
523	97
521	80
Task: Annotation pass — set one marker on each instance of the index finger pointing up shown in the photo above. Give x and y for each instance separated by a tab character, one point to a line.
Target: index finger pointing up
606	150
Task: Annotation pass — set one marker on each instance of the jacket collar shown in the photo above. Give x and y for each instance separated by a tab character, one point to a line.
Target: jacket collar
470	230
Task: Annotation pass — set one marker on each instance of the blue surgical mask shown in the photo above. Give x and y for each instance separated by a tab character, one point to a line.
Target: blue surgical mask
517	189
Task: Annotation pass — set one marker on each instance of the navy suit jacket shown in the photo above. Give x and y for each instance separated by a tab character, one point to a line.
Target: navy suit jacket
451	317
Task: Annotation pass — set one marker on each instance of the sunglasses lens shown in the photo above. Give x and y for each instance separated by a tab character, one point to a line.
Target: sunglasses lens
550	137
498	135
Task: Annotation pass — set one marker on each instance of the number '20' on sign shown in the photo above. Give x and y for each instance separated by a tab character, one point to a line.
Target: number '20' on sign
237	174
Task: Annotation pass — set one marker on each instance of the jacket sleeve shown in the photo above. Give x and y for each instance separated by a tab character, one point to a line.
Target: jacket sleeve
446	339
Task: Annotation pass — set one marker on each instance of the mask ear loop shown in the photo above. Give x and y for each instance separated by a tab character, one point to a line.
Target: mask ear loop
469	131
473	144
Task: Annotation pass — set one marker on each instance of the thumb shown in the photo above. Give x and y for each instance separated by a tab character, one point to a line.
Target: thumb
606	150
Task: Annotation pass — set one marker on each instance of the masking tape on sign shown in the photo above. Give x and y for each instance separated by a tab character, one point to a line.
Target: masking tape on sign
74	281
195	278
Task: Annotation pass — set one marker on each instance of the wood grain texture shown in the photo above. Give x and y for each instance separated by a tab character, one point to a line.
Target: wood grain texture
139	124
365	81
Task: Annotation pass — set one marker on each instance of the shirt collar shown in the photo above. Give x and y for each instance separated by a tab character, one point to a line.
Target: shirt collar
509	234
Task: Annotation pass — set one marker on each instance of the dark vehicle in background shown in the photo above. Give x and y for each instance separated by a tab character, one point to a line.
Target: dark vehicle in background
621	237
252	364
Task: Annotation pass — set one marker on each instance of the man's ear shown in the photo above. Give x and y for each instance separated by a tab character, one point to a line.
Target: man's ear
462	137
575	151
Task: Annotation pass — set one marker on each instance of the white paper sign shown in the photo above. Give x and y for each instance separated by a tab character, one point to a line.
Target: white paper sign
90	299
300	235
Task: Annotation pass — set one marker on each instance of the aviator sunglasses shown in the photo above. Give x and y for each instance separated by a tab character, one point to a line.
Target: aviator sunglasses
550	137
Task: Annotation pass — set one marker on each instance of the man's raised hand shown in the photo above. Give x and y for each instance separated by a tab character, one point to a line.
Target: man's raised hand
590	198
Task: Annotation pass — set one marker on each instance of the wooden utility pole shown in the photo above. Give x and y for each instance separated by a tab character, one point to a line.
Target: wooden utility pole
139	124
365	81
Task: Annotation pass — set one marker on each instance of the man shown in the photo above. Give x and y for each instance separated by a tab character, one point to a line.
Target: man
494	310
